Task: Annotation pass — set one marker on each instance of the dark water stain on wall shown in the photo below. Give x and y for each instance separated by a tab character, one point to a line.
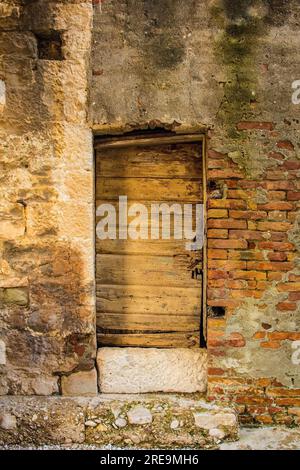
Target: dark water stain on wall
163	44
244	23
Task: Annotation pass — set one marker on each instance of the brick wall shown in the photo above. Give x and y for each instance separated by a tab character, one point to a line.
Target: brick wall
252	265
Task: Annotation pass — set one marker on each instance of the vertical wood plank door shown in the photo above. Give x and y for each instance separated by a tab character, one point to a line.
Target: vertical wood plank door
148	290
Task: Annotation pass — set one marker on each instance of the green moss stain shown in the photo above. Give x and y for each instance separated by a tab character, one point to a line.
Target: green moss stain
243	23
236	50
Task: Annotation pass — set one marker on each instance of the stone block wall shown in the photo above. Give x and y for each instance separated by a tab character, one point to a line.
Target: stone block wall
46	204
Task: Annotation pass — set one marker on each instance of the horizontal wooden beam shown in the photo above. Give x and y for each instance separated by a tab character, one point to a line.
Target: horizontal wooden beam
144	141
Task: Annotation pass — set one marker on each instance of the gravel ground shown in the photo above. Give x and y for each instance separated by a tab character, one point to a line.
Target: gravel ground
265	438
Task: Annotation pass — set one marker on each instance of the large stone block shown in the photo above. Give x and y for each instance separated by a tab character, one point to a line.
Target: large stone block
142	370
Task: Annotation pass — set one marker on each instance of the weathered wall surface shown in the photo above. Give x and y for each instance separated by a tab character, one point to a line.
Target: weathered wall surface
46	203
227	68
219	66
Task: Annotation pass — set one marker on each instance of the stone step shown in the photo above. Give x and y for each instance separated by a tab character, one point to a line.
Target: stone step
143	421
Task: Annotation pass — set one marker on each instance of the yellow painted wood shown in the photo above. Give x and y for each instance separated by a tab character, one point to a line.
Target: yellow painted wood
188	339
158	300
141	322
148	291
147	270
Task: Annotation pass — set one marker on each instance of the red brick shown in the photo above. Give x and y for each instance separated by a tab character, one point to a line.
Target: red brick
217	213
247	184
286	306
233	184
291	165
270	344
223	303
276	155
277	206
280	185
226	223
218	293
215	371
217	163
276	246
276	226
216	254
227	203
246	234
270	266
213	283
215	274
294	278
256	125
252	283
278	256
240	294
232	244
277	236
259	335
217	233
264	419
254	215
236	340
274	276
282	335
277	195
294	296
237	284
293	195
248	275
293	401
224	174
252	400
261	285
227	264
289	287
215	154
285	144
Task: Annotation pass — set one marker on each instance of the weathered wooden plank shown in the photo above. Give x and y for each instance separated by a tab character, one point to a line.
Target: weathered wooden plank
150	340
148	293
163	161
149	141
148	189
142	322
147	247
147	270
131	299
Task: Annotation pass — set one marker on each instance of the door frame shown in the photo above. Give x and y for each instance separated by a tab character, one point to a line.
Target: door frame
151	139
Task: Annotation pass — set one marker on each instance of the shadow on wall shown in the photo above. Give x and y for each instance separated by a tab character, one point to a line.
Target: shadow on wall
52	331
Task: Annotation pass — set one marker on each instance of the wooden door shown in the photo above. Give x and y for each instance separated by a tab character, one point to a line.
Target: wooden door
148	291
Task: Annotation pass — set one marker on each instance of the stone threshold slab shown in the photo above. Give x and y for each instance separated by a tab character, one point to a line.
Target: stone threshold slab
148	421
144	370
